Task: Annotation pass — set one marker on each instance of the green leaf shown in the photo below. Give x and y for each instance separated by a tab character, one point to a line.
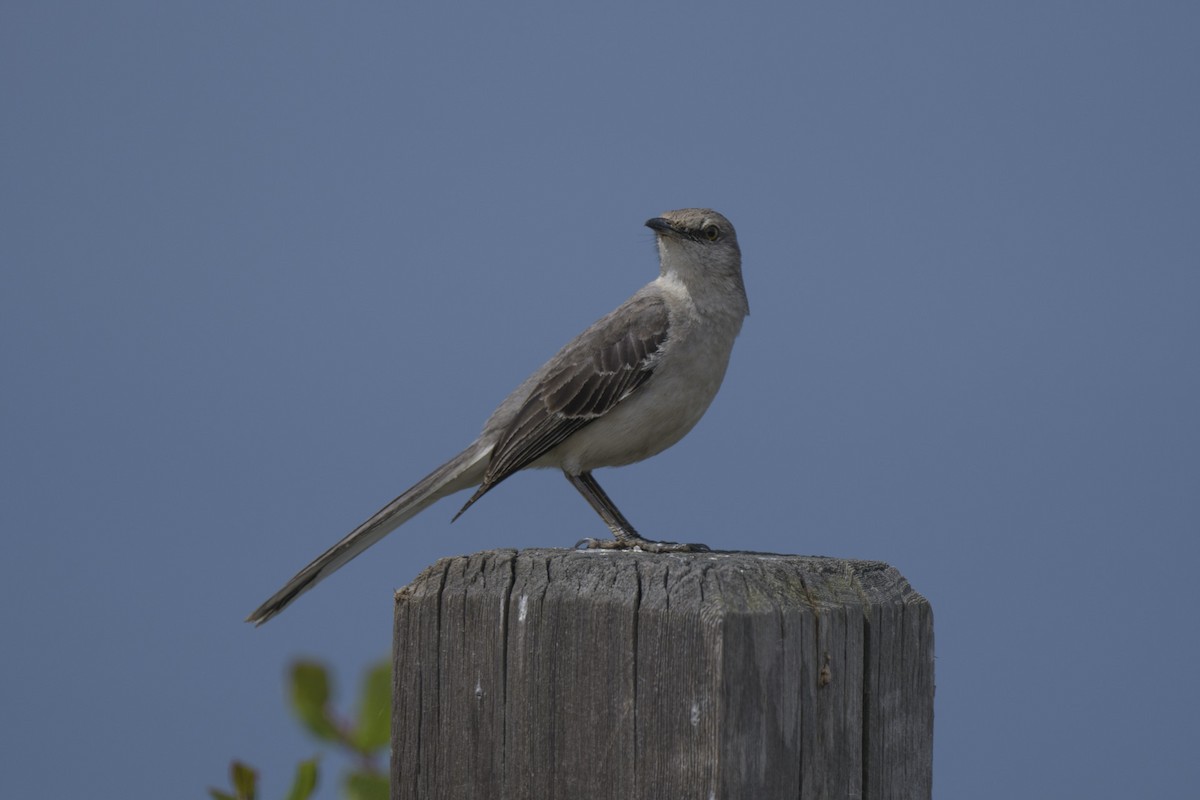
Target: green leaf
374	709
305	781
245	780
367	786
310	699
310	685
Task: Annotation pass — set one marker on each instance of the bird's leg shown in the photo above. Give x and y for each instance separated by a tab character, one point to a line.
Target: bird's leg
626	538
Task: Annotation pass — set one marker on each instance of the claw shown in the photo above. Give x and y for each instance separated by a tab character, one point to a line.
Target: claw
638	543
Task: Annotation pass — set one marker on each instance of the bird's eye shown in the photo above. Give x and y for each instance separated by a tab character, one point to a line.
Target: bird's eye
711	232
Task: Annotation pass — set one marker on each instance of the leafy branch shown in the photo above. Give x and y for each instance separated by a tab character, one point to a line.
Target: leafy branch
361	738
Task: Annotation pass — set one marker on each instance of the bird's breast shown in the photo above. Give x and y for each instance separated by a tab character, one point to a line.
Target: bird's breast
659	412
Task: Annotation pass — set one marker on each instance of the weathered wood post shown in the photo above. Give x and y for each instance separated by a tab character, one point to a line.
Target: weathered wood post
598	674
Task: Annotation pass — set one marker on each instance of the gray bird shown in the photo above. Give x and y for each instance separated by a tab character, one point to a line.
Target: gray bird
627	388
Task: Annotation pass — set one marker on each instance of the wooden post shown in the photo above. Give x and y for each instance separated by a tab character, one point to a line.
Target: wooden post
598	674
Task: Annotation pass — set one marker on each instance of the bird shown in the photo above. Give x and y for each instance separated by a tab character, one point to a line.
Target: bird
627	388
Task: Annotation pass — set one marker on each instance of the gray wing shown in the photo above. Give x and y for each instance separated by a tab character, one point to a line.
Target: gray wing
583	382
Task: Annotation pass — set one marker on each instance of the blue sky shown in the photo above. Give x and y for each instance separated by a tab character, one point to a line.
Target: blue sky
264	265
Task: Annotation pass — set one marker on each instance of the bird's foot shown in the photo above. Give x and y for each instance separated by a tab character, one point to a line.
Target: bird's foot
638	543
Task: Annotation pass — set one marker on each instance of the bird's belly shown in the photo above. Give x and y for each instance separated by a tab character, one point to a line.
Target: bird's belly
652	419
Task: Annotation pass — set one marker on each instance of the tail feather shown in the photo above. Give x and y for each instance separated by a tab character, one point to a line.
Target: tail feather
461	472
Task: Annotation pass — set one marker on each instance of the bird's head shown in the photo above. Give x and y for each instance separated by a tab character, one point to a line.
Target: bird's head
699	247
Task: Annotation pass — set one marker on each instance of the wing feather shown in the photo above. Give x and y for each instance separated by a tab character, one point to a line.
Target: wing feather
587	379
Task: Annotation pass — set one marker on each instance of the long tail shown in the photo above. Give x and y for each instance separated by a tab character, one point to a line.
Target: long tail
461	472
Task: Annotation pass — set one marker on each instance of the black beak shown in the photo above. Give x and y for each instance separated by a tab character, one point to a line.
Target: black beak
660	225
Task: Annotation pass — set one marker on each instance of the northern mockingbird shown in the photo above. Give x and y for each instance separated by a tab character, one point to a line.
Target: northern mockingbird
628	387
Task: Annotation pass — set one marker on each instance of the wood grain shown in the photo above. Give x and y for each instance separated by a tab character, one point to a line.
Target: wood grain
609	674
